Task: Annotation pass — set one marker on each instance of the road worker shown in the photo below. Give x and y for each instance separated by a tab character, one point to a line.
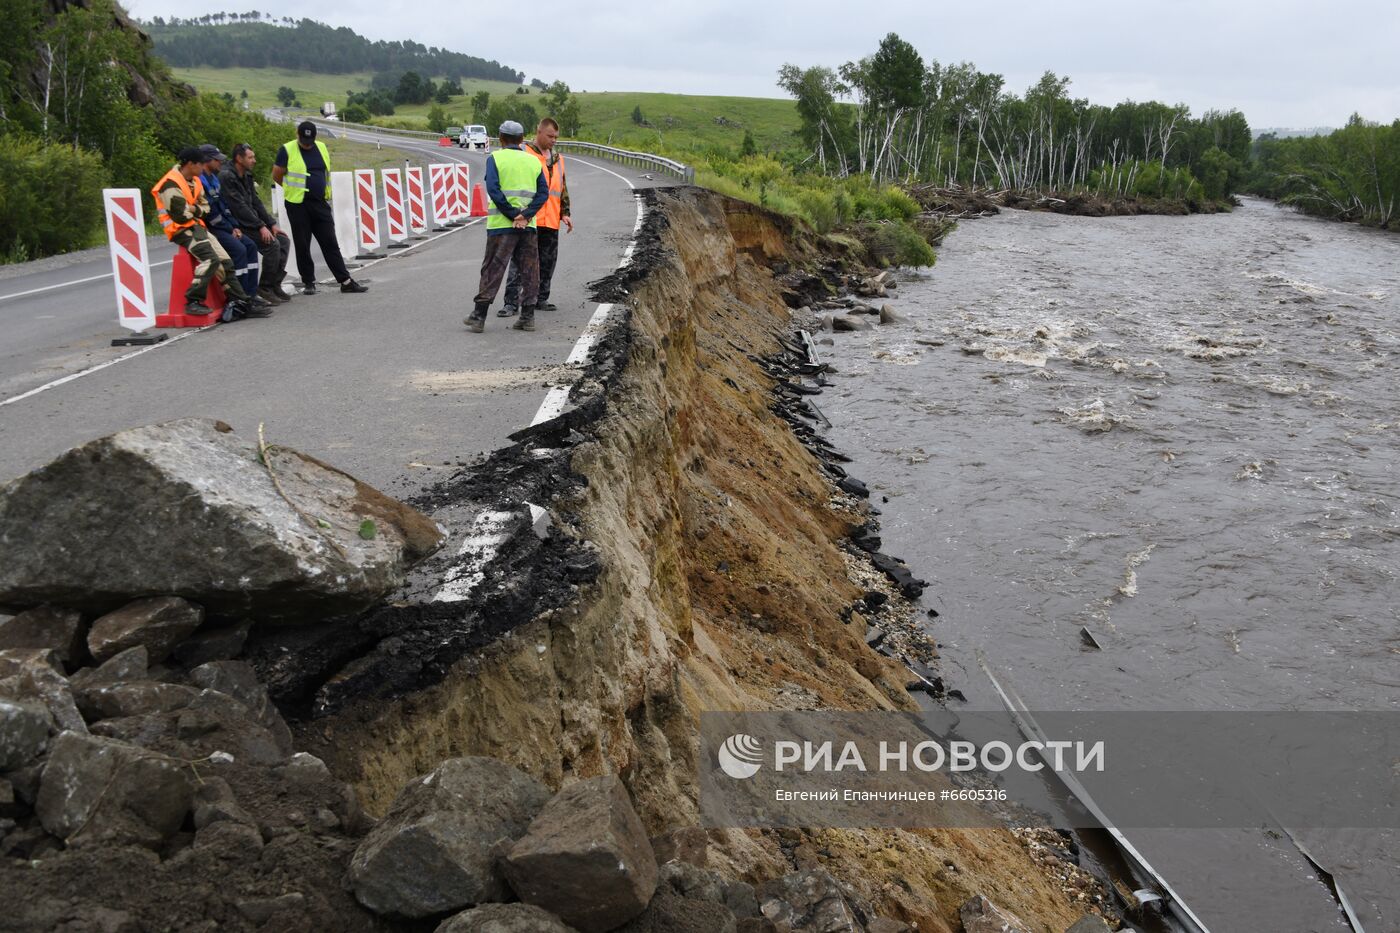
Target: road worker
181	208
303	169
517	188
547	221
223	226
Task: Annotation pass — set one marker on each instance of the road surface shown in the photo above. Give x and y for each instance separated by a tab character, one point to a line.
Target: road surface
388	385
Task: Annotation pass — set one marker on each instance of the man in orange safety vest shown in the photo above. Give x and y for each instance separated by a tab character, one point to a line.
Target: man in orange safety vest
554	213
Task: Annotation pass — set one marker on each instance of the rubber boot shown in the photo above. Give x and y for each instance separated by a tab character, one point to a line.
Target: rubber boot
476	321
527	318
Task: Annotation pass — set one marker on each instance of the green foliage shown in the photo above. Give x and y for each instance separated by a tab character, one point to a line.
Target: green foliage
1351	174
511	108
748	147
522	90
50	197
216	42
437	119
413	88
637	117
896	244
481	106
355	113
378	103
208	119
561	104
286	95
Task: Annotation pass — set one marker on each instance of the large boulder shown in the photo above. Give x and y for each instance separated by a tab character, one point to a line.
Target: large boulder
96	789
504	918
436	849
979	915
159	623
35	674
810	901
586	857
24	732
188	508
58	630
668	912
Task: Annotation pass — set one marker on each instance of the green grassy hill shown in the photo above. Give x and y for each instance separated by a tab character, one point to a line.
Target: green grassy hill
677	121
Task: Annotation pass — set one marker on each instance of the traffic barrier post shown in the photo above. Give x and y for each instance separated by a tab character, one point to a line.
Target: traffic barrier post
395	212
417	209
131	266
440	192
463	185
279	209
367	213
347	230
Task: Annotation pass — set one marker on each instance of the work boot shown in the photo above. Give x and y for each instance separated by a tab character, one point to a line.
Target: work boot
507	311
257	302
351	287
197	308
262	310
308	288
476	321
270	295
546	306
281	292
527	319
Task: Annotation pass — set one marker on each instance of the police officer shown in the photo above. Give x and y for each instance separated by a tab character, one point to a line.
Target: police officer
517	188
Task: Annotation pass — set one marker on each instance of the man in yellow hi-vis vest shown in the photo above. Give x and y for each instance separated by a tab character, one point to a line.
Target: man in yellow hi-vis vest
303	169
547	222
517	188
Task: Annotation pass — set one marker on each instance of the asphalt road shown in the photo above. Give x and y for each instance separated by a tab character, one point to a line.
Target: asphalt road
388	385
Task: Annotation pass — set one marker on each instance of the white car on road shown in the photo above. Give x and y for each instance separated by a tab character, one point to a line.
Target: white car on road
474	137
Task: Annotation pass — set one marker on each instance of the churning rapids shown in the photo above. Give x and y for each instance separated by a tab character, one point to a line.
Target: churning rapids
1181	433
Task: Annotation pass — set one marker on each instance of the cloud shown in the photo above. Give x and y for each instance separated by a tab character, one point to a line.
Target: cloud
1284	63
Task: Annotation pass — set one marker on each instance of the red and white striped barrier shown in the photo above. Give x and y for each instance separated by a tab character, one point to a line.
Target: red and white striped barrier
367	212
462	193
131	264
395	216
441	177
417	210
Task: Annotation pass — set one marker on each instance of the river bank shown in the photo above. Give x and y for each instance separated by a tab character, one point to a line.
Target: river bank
692	554
958	202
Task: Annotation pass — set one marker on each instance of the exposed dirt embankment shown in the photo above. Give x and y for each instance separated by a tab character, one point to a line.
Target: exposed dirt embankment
720	584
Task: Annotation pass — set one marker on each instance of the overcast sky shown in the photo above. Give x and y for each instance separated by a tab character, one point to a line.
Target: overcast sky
1285	63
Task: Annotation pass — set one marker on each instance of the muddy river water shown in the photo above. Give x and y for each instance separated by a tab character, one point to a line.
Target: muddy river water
1182	433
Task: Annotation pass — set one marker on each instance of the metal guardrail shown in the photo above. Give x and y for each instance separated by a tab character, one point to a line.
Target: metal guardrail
644	160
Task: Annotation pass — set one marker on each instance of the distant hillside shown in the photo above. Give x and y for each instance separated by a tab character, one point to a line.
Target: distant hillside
247	40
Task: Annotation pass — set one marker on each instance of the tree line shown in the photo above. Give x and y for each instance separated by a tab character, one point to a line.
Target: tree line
1350	174
84	104
896	117
234	41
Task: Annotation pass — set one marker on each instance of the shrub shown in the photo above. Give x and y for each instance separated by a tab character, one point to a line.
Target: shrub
894	243
50	197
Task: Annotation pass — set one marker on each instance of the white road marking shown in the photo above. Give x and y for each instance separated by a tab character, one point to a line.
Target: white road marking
487	534
91	278
100	366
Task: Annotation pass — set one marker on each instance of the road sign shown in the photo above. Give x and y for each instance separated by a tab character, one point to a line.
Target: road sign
131	265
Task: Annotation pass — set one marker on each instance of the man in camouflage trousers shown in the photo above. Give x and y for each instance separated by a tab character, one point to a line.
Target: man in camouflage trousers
181	207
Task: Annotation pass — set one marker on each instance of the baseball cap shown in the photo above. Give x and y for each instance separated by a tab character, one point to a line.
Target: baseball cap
306	129
512	128
209	152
